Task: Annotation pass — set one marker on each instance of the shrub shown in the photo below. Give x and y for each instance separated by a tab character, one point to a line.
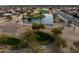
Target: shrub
43	38
60	41
9	17
42	26
29	19
56	31
9	41
37	36
36	26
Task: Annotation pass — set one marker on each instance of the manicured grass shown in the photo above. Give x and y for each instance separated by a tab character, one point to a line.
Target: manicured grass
43	11
37	16
43	38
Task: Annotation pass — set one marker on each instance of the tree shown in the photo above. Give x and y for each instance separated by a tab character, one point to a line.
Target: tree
29	19
9	17
54	17
28	39
50	8
59	41
40	16
32	13
69	23
23	18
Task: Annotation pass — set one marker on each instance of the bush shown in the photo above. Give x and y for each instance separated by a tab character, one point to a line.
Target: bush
43	38
37	36
42	26
56	31
60	41
24	17
9	41
29	19
36	26
9	17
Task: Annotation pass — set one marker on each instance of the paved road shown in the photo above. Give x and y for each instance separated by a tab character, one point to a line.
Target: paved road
69	18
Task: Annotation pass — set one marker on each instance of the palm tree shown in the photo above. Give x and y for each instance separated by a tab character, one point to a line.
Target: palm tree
54	17
23	18
40	16
32	12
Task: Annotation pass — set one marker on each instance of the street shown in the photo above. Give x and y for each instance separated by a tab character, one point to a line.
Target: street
69	17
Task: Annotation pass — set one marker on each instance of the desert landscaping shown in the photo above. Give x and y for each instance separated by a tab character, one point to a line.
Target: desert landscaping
38	30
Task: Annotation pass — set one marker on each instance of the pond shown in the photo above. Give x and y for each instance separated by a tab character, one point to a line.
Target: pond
47	20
